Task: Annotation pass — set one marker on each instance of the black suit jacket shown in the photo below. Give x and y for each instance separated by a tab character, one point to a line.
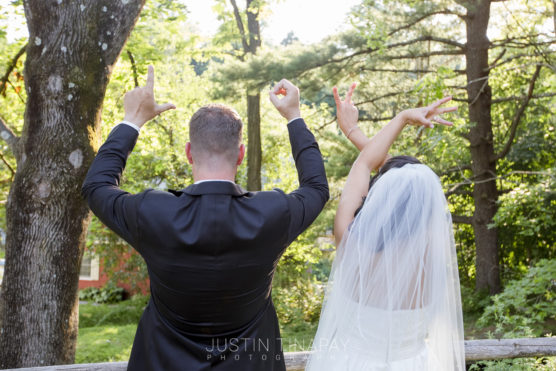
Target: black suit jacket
211	252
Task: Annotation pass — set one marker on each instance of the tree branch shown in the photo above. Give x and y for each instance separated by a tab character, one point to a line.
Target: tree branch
462	219
456	189
522	97
133	67
376	119
8	165
240	26
509	59
502	53
421	39
421	18
17	92
438	40
456	168
325	124
10	68
423	55
514	42
459	192
404	43
372	100
8	135
518	115
409	70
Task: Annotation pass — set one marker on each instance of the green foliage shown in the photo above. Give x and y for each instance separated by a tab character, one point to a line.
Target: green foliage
106	331
301	300
525	304
107	294
125	312
473	301
519	364
527	221
12	98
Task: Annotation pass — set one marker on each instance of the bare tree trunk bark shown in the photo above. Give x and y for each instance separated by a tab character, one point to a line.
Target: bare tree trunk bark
485	193
72	48
254	151
251	41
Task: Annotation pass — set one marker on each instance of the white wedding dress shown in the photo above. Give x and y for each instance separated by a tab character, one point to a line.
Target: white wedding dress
393	301
367	348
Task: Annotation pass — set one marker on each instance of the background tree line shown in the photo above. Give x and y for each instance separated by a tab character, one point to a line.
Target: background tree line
497	58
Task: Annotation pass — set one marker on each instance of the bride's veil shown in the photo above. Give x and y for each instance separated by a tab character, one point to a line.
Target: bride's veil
394	286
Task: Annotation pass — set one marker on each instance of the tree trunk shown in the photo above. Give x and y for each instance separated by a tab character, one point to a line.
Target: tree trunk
251	40
485	193
72	48
254	152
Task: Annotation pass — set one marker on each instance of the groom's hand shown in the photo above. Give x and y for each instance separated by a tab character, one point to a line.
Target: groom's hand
139	104
288	105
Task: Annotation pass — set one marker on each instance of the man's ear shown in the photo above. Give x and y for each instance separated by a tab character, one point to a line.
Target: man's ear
188	152
241	154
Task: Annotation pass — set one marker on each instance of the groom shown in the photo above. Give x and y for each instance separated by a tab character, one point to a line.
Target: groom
212	248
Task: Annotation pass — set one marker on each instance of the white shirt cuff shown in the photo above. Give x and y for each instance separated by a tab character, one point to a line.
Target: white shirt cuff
131	124
292	120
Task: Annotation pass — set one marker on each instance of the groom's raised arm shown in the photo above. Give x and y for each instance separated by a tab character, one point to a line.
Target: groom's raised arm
113	206
306	202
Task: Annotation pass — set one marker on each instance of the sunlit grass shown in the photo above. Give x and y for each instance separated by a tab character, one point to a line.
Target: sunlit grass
297	336
105	344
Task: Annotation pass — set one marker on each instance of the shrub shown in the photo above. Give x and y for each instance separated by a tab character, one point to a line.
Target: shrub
525	304
123	313
472	301
519	364
301	301
107	294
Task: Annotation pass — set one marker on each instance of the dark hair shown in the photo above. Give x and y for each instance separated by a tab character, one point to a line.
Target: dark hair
215	129
391	163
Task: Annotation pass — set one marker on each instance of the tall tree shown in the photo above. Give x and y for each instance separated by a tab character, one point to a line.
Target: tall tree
72	48
250	38
481	144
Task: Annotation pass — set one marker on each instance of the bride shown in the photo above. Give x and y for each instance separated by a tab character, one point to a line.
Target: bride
393	299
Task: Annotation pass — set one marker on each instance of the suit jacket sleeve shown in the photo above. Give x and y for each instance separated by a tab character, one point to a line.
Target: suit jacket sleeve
306	202
114	207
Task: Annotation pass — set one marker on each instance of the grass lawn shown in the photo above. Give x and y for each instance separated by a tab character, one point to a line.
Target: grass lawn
106	331
104	343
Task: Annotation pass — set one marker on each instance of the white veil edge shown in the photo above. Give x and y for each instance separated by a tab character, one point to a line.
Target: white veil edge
393	296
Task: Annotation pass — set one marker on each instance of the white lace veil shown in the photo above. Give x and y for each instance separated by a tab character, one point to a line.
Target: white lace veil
394	286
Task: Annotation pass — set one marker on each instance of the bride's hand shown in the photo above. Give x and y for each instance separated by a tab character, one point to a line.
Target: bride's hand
346	111
425	116
348	115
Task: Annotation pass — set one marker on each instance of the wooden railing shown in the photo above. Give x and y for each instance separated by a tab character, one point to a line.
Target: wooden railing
475	350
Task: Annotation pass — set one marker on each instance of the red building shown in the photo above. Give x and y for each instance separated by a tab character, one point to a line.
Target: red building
92	274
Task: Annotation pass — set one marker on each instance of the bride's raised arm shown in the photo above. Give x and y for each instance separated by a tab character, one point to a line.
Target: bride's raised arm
373	151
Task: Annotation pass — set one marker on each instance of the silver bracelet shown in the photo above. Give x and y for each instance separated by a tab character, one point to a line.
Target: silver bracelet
350	130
